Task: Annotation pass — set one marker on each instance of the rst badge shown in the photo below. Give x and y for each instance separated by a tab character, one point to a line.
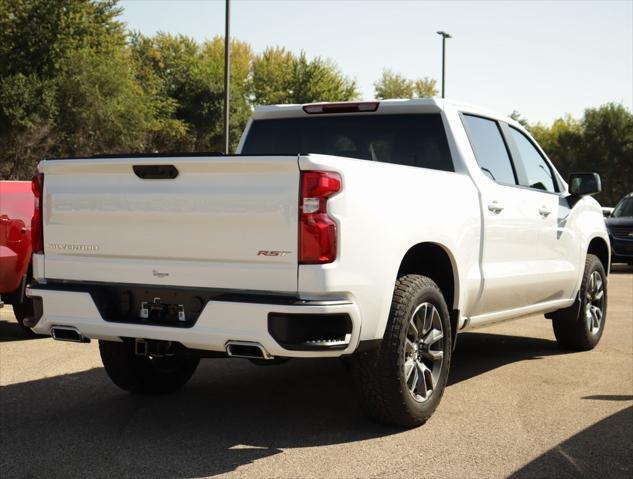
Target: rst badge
269	252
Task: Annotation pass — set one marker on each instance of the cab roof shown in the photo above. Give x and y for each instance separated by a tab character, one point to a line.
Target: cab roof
395	106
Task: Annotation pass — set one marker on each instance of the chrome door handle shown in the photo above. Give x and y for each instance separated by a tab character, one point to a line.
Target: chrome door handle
495	207
544	211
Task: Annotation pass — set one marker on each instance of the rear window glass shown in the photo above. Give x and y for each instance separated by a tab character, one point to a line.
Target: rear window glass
412	140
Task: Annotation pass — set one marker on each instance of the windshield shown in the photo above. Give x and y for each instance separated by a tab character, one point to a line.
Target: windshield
413	140
624	208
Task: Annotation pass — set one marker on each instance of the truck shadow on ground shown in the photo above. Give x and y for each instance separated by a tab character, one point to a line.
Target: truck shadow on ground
478	353
11	331
602	450
232	413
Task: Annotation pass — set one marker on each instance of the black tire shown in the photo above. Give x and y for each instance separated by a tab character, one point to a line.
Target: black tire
145	374
385	392
21	311
573	328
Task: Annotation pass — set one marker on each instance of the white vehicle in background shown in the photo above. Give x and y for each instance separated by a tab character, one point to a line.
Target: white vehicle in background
375	230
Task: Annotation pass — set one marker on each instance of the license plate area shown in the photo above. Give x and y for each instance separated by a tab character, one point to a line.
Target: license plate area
122	303
158	311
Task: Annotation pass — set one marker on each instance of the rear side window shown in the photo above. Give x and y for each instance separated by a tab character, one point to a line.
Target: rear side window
490	149
412	140
539	174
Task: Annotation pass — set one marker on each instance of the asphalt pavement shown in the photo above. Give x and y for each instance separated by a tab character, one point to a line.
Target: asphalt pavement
517	405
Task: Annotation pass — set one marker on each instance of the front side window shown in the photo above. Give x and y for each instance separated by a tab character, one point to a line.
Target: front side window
412	140
490	149
539	174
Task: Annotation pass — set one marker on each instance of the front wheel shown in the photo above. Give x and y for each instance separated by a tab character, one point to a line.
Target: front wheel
583	331
402	382
146	374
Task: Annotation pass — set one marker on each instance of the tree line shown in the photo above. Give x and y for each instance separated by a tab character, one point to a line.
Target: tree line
74	81
601	140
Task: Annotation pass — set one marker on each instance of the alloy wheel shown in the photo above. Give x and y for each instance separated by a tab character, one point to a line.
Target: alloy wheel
595	302
423	351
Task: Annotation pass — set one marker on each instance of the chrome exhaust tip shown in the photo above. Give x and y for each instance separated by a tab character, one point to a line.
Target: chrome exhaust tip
247	349
68	333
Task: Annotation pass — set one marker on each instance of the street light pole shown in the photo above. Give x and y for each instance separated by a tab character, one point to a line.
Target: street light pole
444	37
227	73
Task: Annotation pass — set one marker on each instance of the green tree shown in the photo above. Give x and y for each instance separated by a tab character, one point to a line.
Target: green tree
101	107
425	87
45	50
167	133
319	80
272	72
394	85
608	149
191	77
562	141
27	111
213	61
601	141
37	36
278	76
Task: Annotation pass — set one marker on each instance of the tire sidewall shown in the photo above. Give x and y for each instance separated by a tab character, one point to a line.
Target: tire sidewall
423	410
594	265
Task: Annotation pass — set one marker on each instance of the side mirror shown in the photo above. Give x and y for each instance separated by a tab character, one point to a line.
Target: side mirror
583	184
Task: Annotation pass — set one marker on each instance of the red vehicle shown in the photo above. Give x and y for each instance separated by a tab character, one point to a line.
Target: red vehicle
16	211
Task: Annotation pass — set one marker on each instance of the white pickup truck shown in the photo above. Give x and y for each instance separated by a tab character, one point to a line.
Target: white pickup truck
371	230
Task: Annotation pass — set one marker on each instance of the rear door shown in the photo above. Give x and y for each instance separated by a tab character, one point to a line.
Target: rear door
218	222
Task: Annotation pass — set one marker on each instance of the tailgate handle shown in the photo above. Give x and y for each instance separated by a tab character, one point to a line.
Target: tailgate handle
155	172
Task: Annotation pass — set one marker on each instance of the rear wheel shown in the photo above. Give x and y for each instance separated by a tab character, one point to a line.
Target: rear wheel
23	310
581	327
146	374
402	382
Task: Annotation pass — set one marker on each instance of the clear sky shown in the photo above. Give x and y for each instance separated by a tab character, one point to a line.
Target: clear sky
541	58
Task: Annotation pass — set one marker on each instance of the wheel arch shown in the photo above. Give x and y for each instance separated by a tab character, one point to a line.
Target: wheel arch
438	263
599	247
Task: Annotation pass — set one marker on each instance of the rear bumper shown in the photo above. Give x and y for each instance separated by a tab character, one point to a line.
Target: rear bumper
218	323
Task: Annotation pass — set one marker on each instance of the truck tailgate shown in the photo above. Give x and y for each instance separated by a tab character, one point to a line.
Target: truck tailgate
222	222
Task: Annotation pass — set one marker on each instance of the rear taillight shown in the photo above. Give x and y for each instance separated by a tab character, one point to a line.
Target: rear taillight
37	229
317	231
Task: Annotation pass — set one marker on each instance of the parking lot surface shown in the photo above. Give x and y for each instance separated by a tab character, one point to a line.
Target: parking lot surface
516	406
